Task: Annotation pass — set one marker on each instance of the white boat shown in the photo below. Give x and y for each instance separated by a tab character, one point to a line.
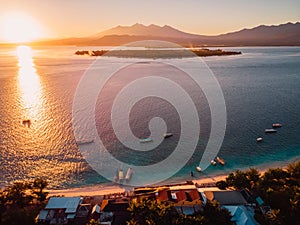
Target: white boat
121	175
145	140
276	125
270	130
128	174
82	142
259	139
220	160
198	168
213	162
167	135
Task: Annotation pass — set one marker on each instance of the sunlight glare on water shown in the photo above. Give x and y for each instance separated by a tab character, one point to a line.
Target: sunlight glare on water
29	81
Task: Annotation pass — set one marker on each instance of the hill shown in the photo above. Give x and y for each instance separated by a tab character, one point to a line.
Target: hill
276	35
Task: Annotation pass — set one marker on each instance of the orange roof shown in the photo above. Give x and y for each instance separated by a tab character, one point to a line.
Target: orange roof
180	195
194	194
163	195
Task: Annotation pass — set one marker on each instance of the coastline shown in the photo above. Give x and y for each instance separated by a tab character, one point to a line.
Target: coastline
113	188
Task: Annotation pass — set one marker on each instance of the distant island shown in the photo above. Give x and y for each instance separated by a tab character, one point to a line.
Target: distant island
158	53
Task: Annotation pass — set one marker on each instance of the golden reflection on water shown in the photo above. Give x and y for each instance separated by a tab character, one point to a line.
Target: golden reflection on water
29	82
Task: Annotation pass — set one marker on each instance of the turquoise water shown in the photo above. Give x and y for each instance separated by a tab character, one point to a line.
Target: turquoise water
260	87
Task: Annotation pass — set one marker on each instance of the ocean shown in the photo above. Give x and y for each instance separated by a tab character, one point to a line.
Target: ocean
38	84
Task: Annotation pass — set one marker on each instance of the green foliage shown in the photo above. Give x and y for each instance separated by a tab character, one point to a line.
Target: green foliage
222	184
38	187
151	212
238	179
92	222
278	187
17	202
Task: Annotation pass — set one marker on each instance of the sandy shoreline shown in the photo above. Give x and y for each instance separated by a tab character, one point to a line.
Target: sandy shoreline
112	188
97	190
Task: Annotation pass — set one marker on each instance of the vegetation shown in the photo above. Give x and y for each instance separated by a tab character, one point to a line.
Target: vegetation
151	212
279	188
157	53
21	202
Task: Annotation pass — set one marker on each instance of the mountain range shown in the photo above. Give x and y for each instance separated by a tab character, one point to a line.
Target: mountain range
275	35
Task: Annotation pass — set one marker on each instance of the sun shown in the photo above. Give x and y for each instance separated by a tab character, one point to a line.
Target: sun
18	27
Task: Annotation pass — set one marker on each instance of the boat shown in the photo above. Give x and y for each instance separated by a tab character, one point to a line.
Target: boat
198	168
270	131
213	162
128	174
276	125
220	160
167	135
259	139
145	140
83	142
121	175
116	178
26	123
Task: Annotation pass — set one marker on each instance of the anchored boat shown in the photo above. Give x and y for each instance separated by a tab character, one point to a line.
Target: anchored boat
259	139
276	125
270	131
167	135
220	160
145	140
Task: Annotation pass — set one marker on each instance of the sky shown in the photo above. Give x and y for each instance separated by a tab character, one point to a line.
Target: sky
75	18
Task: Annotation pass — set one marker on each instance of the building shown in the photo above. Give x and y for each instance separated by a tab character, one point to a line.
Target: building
60	210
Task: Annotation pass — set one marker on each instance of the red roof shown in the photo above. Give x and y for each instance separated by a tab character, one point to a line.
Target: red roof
194	194
163	195
180	195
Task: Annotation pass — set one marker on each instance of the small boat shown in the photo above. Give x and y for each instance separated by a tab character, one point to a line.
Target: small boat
259	139
128	174
213	162
26	123
220	160
145	140
270	131
276	125
198	168
121	175
167	135
83	142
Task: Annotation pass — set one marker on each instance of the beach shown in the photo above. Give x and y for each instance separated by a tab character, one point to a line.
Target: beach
97	190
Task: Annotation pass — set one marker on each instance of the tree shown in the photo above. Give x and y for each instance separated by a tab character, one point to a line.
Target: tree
294	169
92	222
238	179
222	184
151	212
216	215
16	202
253	176
38	187
16	194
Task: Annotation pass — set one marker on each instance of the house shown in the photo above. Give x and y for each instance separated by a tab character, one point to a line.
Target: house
241	215
60	210
226	197
114	211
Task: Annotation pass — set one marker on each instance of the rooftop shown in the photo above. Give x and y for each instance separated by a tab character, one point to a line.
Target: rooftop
70	204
